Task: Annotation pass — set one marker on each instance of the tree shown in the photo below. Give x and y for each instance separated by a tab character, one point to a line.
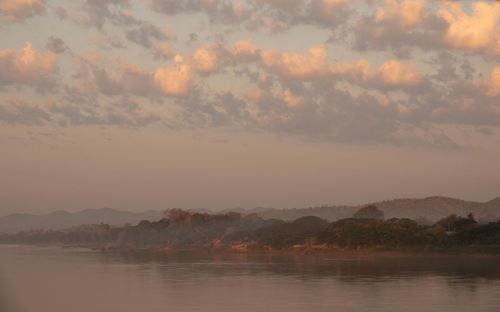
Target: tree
369	212
454	223
178	216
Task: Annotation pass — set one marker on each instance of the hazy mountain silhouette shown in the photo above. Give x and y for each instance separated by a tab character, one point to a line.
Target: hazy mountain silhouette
430	209
62	219
426	210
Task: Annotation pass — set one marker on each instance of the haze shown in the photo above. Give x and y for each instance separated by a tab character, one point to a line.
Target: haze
221	104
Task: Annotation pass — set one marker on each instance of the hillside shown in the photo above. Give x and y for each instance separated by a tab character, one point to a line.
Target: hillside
189	231
62	219
430	210
437	207
425	210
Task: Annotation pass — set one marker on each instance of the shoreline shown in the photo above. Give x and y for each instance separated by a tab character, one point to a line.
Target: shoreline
476	251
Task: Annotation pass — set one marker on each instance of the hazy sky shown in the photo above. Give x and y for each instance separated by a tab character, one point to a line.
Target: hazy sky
153	104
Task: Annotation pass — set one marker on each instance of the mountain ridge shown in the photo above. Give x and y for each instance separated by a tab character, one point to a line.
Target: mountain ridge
425	210
61	219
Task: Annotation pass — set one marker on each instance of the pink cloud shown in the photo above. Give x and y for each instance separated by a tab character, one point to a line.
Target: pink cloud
391	73
163	50
311	64
358	70
478	32
329	7
290	99
314	64
18	10
244	49
175	80
17	111
404	14
26	65
398	74
493	82
205	58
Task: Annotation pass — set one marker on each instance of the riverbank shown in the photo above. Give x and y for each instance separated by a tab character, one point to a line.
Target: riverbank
427	251
423	250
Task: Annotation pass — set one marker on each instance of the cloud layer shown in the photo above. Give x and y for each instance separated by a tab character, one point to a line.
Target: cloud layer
391	72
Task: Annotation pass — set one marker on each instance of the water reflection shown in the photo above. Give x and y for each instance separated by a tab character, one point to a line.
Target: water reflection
38	279
373	268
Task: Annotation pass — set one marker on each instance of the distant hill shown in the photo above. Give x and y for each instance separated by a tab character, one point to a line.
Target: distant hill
425	210
430	210
494	203
437	207
62	219
330	213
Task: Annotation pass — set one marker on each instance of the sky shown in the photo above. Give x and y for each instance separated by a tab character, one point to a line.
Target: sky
156	104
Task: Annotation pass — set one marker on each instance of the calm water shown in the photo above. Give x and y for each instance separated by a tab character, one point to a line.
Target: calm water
57	280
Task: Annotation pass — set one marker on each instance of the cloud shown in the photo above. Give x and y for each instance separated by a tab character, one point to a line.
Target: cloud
163	51
273	15
126	112
456	102
123	78
96	12
56	45
358	70
176	79
130	78
327	12
181	6
314	65
19	10
27	66
16	111
400	25
205	58
493	82
291	101
281	15
244	50
395	73
383	99
405	14
107	41
311	64
285	103
200	110
145	33
325	113
478	32
133	79
122	112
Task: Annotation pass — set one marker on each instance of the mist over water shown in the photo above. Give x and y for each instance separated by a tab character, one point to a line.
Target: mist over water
55	279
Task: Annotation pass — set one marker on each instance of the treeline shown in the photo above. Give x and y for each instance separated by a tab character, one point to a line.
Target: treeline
178	229
184	230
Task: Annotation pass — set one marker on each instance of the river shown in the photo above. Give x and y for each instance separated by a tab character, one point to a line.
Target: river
52	279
